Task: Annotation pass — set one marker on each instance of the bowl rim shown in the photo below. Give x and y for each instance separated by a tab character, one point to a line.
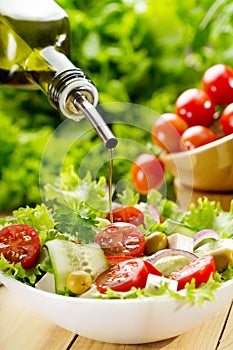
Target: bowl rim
78	300
200	149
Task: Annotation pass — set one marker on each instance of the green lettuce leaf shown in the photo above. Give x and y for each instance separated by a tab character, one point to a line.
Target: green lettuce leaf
209	214
204	293
71	191
128	197
28	276
81	223
39	217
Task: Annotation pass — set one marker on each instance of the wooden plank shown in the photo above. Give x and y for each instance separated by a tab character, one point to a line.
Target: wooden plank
21	329
204	337
226	340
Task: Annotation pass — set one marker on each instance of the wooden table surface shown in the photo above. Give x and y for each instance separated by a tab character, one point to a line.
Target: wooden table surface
23	329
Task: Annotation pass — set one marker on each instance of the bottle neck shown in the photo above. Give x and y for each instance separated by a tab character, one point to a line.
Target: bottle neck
74	95
60	80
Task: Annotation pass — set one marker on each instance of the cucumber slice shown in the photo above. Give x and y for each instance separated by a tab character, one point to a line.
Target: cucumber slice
178	227
67	256
171	263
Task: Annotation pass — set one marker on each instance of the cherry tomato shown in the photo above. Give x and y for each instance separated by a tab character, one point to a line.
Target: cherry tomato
199	269
113	260
196	107
125	275
121	239
226	119
151	269
167	130
128	214
197	136
20	243
217	81
147	172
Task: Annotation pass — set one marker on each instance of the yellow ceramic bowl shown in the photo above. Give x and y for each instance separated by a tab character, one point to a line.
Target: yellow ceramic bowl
206	171
206	168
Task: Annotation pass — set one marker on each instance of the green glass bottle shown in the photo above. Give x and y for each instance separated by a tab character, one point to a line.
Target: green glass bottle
34	52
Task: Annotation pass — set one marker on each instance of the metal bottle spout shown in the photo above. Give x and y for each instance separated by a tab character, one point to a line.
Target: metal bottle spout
90	112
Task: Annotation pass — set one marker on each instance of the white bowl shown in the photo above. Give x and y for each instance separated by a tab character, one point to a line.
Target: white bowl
133	321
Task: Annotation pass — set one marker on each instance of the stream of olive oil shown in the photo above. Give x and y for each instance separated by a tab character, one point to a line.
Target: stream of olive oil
110	169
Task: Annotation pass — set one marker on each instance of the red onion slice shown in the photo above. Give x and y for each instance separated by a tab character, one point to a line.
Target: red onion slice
203	235
169	252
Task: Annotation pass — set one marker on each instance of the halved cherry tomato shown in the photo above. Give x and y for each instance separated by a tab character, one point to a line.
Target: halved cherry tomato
151	269
121	239
113	260
200	269
226	119
128	214
196	136
196	107
147	172
20	243
125	275
167	130
218	83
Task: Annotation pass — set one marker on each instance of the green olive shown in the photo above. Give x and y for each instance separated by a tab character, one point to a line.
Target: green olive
222	257
78	282
156	241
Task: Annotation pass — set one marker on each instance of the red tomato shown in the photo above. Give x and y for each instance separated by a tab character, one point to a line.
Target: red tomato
226	119
128	214
199	269
125	275
218	83
20	243
197	136
196	107
121	239
167	130
113	260
147	172
151	269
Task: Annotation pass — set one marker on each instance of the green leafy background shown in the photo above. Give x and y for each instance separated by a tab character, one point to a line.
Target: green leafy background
137	51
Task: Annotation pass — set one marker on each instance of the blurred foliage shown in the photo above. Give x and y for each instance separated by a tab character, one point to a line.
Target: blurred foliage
137	51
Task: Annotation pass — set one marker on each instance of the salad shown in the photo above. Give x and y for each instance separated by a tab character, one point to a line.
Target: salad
73	246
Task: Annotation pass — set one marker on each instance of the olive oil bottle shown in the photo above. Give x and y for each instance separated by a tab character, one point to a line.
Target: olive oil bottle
34	52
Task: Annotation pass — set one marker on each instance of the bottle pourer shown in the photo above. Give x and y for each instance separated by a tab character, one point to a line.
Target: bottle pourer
90	112
76	97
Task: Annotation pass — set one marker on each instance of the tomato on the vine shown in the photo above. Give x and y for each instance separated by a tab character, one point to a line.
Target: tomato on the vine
196	107
125	275
217	81
226	119
167	130
20	243
200	269
196	136
128	214
121	239
147	172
